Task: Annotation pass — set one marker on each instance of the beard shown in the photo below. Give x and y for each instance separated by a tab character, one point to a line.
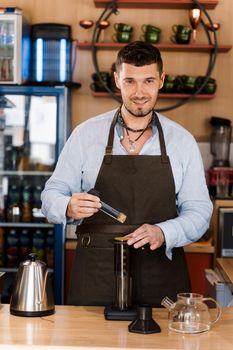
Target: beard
137	111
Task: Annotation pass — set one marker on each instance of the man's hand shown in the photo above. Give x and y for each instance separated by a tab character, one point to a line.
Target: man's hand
146	234
82	205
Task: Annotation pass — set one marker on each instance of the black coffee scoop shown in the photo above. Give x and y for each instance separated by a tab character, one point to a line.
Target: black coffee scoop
144	322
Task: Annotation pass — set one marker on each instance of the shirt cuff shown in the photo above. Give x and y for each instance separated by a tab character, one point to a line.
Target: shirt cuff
70	221
167	228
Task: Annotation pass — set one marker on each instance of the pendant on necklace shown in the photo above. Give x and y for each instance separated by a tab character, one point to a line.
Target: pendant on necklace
131	147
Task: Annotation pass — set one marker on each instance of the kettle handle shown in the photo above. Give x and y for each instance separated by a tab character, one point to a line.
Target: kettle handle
219	309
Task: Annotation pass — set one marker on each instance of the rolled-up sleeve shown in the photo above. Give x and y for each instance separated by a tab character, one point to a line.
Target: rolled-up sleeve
66	177
194	207
77	167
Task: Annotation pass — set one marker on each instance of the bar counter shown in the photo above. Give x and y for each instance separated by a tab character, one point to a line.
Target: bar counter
85	328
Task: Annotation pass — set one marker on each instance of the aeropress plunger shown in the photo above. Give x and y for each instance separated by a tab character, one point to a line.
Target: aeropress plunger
122	310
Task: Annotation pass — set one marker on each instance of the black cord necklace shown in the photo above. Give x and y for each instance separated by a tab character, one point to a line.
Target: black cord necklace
132	142
127	129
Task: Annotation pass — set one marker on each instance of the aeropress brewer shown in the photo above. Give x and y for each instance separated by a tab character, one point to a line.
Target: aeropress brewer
123	309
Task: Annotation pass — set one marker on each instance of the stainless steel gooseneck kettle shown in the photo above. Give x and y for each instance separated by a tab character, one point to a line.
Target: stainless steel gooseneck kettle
32	293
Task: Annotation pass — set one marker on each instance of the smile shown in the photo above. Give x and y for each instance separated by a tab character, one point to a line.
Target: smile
139	102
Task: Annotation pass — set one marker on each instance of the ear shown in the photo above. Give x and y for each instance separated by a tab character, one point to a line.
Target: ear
116	80
162	80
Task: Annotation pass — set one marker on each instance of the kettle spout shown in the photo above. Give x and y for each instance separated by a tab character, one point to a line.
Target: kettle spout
168	303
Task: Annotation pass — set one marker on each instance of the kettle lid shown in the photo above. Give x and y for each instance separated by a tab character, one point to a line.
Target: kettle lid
33	258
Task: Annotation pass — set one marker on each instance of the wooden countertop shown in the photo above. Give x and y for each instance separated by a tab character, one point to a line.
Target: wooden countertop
225	266
198	247
85	328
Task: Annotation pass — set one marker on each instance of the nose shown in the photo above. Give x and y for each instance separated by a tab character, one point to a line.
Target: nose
139	90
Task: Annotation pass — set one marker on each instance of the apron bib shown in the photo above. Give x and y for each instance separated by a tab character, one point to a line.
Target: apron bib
142	187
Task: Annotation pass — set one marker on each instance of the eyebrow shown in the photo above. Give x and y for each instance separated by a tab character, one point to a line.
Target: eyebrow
152	77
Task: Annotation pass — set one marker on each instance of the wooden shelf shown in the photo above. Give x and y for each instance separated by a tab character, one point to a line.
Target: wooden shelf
200	247
26	224
163	47
162	4
162	96
225	266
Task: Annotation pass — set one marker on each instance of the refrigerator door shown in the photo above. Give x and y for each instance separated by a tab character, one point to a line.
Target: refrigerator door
32	133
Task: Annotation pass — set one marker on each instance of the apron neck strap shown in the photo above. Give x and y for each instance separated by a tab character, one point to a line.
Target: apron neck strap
164	156
108	149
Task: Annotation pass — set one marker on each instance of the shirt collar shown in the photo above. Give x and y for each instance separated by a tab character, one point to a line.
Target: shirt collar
120	129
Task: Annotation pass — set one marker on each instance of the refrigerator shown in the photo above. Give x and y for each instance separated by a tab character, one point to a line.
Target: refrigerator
15	45
34	125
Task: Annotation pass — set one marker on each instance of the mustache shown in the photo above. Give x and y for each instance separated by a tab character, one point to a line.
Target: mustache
140	99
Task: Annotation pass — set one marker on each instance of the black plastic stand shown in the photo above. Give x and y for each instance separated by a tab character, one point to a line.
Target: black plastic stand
114	313
144	322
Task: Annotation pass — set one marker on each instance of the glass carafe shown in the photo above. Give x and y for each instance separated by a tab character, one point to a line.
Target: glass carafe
190	314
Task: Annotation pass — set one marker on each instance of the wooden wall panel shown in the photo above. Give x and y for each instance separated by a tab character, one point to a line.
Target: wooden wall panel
193	116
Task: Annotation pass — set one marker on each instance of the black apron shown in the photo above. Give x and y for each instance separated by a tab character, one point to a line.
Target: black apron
142	187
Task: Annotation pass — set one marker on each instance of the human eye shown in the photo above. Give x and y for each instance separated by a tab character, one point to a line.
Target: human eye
150	81
128	81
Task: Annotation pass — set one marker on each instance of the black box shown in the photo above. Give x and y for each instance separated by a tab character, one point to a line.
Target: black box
225	232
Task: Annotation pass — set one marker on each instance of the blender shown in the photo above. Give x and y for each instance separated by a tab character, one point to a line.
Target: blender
220	141
220	174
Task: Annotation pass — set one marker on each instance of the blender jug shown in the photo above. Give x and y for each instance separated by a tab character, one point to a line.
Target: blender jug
220	141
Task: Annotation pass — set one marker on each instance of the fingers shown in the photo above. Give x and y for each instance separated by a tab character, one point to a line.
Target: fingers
139	238
82	205
146	234
154	246
140	234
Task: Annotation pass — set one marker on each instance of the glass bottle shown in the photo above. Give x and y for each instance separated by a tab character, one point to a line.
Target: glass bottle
2	238
26	205
24	244
12	248
13	204
37	215
49	248
38	244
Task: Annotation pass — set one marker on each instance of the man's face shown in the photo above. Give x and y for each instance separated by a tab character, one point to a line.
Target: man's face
139	87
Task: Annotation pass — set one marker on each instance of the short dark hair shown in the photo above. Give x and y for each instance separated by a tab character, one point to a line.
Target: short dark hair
139	53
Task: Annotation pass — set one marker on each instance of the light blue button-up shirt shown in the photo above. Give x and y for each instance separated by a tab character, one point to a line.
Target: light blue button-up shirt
80	160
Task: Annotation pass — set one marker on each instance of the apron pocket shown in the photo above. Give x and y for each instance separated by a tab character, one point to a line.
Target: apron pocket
97	275
93	280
